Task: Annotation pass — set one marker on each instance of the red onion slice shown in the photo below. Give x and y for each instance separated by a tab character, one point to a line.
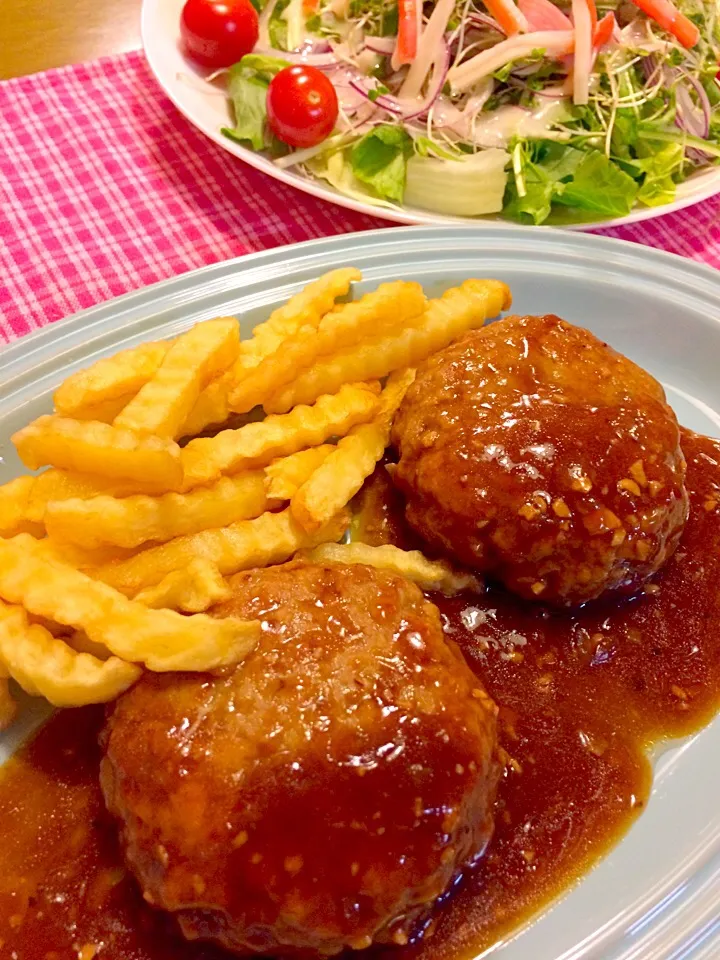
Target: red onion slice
649	65
688	117
435	84
478	19
404	110
702	112
317	46
362	85
323	61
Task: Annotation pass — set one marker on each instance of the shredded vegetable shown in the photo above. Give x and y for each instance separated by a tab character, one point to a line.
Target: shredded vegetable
409	26
540	110
508	16
584	20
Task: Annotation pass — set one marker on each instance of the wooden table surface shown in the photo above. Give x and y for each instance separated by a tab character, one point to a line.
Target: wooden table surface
38	34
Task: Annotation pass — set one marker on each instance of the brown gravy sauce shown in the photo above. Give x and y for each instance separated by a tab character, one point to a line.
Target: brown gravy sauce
583	697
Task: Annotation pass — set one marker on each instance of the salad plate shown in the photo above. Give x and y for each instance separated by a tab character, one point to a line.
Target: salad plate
654	897
511	145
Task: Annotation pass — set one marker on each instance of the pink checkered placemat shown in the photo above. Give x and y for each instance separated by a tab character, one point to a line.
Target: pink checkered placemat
105	187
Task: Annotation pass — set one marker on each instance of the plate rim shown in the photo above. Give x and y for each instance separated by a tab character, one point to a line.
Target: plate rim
669	265
410	216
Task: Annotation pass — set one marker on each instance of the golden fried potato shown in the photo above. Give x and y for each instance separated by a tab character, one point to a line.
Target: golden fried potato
101	391
286	475
338	479
112	378
106	410
54	627
194	589
211	407
55	484
83	558
132	530
14	508
161	639
132	521
391	306
411	564
458	310
305	307
86	446
270	538
256	444
164	403
46	666
81	643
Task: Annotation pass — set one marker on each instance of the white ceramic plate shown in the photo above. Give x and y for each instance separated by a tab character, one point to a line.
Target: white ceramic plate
205	107
657	895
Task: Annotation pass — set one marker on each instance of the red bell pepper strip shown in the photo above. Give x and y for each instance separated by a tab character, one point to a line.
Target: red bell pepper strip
667	15
408	32
604	30
508	16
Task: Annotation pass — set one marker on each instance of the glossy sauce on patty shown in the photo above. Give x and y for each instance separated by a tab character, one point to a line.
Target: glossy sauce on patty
583	696
535	453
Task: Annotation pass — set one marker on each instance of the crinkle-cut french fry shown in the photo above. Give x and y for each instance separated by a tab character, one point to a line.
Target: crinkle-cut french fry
192	590
55	484
46	666
81	643
305	307
86	446
8	706
257	444
81	558
163	404
287	474
270	538
211	407
411	564
132	521
340	477
119	376
52	626
389	307
459	309
14	508
392	396
106	410
161	639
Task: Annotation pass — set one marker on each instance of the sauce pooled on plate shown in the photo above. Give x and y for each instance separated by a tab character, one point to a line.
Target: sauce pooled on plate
583	695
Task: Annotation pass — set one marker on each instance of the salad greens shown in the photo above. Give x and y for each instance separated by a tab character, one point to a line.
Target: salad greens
379	17
549	172
496	110
248	83
379	160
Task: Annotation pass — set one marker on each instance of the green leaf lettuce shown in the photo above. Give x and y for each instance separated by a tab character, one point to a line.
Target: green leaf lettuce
379	160
247	89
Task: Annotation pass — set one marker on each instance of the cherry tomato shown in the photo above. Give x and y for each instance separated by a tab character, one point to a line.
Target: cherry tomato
218	33
302	106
